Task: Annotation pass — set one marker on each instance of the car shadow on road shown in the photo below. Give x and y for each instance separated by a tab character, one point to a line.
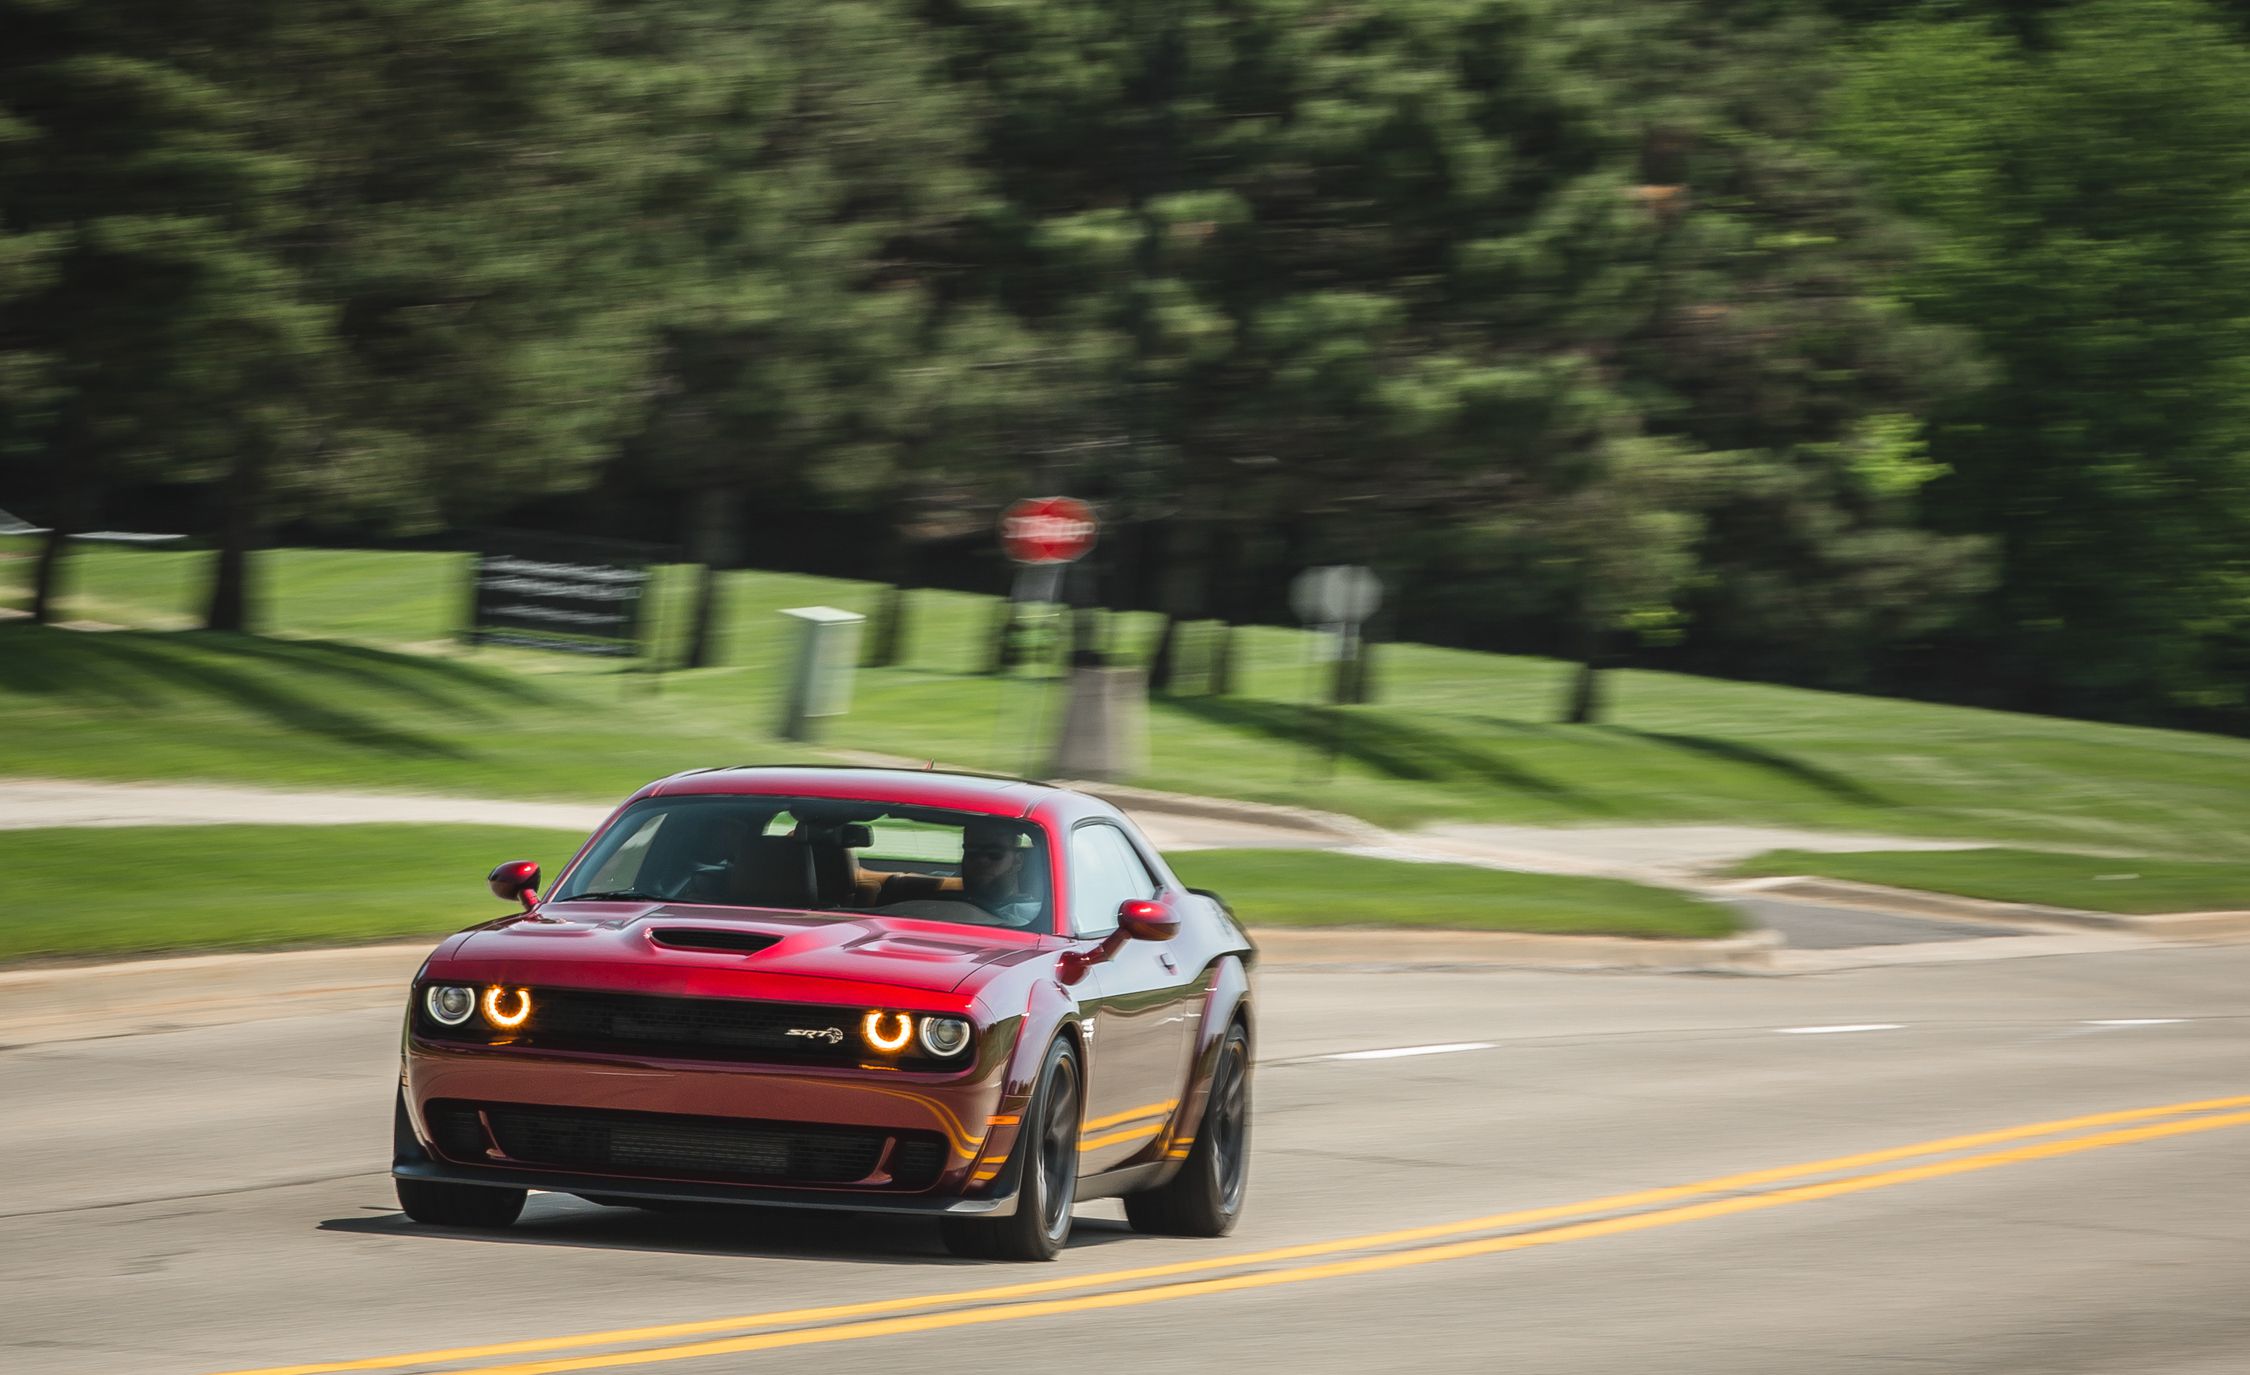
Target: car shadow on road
778	1234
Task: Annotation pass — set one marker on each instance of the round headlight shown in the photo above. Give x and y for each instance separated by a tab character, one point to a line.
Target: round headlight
887	1032
944	1037
507	1008
450	1004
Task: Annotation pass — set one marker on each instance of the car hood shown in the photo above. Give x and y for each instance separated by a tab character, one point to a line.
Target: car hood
732	951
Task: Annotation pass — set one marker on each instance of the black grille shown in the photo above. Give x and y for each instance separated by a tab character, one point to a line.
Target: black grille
455	1128
679	1028
917	1161
712	1148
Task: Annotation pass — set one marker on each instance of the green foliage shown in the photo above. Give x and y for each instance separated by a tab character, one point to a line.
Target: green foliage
1822	340
2088	209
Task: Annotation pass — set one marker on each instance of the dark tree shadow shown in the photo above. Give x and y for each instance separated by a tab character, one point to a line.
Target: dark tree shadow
1386	745
1836	785
144	669
1813	776
468	692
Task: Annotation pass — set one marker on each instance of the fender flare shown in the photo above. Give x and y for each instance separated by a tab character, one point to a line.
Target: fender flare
1049	1013
1227	1001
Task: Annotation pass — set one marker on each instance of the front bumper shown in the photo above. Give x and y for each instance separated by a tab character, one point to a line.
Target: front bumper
971	1113
1000	1201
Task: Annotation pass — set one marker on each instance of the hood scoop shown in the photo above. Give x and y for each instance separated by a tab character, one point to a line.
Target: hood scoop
733	942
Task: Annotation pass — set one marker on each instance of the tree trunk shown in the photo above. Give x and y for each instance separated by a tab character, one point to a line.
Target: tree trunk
1163	656
886	635
1219	680
1177	561
1224	566
242	528
713	518
1584	706
47	584
1001	639
888	639
1585	696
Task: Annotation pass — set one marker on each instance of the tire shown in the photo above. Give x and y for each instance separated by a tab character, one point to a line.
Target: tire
439	1204
1040	1226
1205	1198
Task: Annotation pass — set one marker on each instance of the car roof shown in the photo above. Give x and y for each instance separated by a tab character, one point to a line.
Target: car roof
987	794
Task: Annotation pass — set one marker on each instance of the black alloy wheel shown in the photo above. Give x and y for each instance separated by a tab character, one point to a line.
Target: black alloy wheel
1205	1198
1228	1122
1048	1148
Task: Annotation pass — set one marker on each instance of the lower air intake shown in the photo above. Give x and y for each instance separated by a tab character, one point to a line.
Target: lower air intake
719	1149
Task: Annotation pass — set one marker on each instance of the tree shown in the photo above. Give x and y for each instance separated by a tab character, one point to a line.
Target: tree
2090	223
455	225
797	161
149	304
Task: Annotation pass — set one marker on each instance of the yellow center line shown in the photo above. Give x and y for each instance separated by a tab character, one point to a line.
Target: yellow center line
1522	1217
1368	1265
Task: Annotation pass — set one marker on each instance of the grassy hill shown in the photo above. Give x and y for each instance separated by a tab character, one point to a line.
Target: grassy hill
361	684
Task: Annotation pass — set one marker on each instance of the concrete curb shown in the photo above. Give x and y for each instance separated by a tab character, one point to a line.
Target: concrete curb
2171	926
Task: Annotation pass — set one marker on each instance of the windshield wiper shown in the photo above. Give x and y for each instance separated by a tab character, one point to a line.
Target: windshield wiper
616	895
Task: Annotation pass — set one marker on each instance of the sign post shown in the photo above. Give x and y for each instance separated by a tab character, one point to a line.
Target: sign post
1335	601
1100	729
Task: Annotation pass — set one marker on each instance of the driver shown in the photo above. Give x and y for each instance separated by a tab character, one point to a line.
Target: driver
993	859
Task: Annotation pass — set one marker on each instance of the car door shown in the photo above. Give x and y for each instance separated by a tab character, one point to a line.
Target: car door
1137	1015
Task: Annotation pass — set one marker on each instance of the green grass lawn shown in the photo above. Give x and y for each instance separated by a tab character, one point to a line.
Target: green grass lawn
361	685
111	891
116	891
2089	884
1313	888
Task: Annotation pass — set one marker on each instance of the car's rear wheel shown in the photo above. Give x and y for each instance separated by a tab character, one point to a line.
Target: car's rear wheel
1205	1198
440	1204
1048	1149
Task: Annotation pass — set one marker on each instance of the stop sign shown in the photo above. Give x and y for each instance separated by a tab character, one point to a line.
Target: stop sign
1043	530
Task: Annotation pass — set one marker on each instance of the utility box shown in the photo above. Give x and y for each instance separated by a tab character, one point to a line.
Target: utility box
820	676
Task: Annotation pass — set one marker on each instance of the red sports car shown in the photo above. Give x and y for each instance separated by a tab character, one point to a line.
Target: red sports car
866	989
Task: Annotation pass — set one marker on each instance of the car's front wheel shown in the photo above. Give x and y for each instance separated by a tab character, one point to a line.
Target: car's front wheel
1205	1198
1048	1149
440	1204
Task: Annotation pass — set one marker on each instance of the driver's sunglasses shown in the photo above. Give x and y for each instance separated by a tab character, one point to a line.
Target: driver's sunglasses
986	851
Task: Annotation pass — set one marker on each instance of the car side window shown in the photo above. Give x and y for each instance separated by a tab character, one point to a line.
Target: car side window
1137	876
1105	870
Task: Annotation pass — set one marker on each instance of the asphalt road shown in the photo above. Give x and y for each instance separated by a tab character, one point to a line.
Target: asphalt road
213	1199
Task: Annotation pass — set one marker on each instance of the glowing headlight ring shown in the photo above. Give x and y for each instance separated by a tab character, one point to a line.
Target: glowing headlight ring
507	1021
872	1027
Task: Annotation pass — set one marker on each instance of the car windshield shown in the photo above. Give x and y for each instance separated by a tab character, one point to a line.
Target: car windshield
820	855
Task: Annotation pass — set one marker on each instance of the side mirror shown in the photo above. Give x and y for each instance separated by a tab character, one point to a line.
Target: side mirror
1147	921
516	881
